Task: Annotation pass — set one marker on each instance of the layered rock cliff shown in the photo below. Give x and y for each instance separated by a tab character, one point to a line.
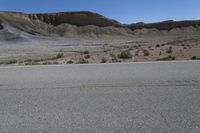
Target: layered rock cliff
83	18
88	24
165	25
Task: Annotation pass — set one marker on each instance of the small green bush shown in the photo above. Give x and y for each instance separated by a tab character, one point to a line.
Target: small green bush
114	60
146	52
59	55
13	61
46	63
103	60
82	61
168	58
86	52
125	55
70	62
195	58
28	60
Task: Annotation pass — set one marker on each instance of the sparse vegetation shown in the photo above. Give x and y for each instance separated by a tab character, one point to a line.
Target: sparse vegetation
114	58
46	63
12	61
103	60
1	63
125	55
32	63
70	62
87	56
157	45
59	55
168	58
86	52
136	47
55	62
146	52
169	50
82	61
195	58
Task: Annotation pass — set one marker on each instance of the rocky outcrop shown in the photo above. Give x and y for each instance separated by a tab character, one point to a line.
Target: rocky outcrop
88	24
83	18
166	25
70	24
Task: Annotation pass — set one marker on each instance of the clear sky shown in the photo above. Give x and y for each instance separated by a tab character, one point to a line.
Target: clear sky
125	11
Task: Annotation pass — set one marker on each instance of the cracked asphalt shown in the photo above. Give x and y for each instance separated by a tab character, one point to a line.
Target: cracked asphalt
156	97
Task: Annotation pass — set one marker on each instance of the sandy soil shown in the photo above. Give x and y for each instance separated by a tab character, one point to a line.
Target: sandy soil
44	50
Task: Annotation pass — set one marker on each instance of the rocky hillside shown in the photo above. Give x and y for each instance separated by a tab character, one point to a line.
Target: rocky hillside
83	18
165	25
89	25
68	24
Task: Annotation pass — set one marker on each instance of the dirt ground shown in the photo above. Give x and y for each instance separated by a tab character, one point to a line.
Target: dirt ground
46	51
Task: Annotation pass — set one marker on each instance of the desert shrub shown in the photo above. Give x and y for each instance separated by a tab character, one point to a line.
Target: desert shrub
103	60
169	50
87	56
28	60
146	52
82	61
168	58
125	54
136	47
32	63
157	45
70	62
86	52
195	58
46	63
13	61
114	59
55	62
173	57
59	55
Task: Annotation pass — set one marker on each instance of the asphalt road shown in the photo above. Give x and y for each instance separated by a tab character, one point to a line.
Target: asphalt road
161	97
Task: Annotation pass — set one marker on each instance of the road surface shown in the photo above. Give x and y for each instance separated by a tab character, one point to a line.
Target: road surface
161	97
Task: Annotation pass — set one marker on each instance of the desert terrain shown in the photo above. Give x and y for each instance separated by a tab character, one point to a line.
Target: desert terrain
86	37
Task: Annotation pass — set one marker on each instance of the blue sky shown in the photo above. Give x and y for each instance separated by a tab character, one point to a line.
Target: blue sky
125	11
